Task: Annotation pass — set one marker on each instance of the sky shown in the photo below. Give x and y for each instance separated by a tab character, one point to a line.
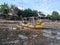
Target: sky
45	6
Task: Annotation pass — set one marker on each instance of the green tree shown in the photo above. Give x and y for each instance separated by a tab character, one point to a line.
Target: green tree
48	15
27	13
35	13
55	15
4	9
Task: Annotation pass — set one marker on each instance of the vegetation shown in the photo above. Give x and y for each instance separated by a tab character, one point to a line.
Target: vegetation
4	9
15	11
54	16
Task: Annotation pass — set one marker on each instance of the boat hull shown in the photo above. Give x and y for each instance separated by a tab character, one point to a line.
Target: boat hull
34	27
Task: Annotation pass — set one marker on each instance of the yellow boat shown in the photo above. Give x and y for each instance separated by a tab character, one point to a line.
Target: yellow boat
38	26
34	24
24	25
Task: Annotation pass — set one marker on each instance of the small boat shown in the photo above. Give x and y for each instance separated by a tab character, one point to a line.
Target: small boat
34	25
37	26
24	25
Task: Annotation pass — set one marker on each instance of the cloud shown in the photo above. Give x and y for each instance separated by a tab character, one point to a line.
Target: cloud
45	6
21	8
33	4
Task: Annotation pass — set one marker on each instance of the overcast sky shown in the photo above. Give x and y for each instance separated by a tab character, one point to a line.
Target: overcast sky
46	6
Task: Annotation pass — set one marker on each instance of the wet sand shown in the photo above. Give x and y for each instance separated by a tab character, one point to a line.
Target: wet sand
7	36
11	38
52	24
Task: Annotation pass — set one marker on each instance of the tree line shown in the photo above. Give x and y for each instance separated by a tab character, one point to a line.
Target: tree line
54	15
13	10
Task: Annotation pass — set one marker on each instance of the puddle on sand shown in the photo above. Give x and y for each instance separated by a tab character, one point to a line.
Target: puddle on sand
26	37
22	36
47	33
34	35
54	44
